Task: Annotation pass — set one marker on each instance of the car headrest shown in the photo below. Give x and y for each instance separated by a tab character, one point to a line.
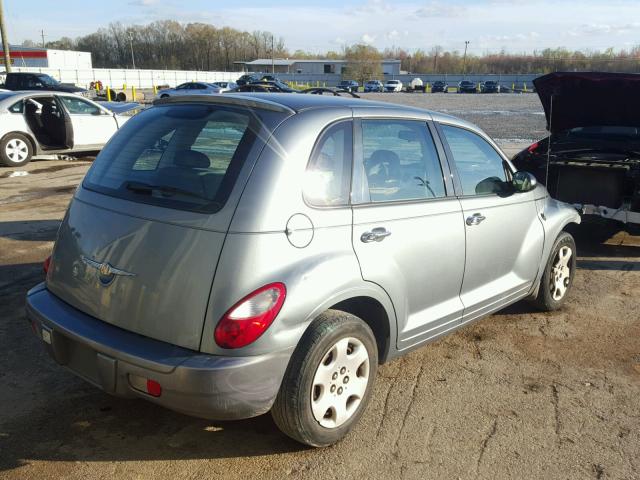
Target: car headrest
389	159
192	158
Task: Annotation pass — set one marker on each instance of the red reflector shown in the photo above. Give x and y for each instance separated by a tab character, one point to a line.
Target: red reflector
250	317
153	388
533	147
47	264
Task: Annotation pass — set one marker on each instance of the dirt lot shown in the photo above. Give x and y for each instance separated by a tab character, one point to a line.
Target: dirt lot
521	394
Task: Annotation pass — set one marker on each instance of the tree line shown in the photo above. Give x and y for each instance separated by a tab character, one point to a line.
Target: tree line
172	45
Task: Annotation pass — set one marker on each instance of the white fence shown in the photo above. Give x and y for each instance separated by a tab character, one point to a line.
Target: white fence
116	78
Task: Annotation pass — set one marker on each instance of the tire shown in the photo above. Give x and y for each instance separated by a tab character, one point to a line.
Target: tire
306	389
164	95
121	97
550	296
15	150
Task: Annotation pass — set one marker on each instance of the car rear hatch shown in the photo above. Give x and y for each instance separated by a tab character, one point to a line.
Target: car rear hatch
139	245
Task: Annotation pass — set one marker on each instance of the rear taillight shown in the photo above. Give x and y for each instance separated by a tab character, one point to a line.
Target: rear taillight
47	264
533	147
250	317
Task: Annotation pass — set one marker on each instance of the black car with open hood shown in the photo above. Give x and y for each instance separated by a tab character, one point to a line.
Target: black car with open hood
593	150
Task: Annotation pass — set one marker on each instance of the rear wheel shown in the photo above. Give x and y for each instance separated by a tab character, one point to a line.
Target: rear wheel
557	278
15	150
329	380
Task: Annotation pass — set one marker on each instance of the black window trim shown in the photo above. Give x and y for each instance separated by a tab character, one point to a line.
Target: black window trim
358	199
452	164
316	143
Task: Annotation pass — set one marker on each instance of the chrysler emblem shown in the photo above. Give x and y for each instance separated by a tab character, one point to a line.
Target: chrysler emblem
106	271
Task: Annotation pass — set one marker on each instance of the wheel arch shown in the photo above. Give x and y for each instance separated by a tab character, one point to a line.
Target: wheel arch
27	135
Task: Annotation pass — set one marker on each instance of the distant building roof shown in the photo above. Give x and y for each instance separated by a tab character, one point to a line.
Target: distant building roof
290	61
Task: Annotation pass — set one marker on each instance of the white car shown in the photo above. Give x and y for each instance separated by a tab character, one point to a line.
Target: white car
226	86
393	86
190	88
43	123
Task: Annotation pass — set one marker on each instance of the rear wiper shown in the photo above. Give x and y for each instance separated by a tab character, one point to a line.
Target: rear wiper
165	190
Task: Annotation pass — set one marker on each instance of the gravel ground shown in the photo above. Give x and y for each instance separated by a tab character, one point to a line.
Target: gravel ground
521	394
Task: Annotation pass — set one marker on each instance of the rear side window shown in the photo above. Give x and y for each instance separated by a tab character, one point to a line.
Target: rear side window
177	156
400	161
328	176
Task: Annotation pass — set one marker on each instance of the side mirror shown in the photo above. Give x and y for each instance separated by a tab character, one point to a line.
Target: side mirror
524	181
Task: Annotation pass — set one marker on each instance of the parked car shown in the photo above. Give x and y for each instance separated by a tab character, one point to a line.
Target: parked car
465	86
39	81
349	85
490	86
594	143
267	87
416	85
226	86
190	88
38	123
248	78
230	255
374	86
393	86
440	86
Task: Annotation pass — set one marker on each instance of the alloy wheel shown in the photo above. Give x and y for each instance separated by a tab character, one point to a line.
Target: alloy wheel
340	382
16	150
561	273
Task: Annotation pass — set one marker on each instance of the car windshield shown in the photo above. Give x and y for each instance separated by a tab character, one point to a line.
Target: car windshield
47	80
176	156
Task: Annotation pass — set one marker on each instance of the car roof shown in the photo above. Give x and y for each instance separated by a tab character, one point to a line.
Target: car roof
294	103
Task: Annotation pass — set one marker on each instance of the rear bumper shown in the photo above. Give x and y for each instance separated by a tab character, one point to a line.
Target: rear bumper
193	383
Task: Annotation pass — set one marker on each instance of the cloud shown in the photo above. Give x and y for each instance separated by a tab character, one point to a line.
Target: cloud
143	3
440	9
368	39
595	29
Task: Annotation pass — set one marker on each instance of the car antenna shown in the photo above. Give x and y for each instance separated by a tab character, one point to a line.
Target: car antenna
546	175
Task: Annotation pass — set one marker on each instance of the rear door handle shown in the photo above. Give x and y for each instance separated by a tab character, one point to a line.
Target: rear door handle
375	235
475	219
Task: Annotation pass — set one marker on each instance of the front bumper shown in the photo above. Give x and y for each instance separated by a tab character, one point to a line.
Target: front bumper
193	383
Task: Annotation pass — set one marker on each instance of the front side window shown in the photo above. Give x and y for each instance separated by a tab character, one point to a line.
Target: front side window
400	161
179	156
17	107
480	168
77	106
327	179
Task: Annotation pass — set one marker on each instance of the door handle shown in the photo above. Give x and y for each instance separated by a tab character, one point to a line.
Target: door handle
475	219
375	235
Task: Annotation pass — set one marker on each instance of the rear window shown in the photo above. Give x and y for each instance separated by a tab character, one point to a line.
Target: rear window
178	156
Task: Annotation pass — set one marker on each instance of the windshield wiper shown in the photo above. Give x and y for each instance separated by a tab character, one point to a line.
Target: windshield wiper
164	190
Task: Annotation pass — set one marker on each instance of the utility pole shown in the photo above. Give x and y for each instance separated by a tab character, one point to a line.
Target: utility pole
133	60
5	42
464	60
42	33
273	63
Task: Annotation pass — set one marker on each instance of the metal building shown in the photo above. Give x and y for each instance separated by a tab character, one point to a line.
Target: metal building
321	66
47	58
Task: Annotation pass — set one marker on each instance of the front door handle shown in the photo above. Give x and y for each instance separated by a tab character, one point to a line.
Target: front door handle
475	219
376	235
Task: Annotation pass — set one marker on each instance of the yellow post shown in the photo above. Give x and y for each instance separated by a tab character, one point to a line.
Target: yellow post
428	89
155	90
513	87
108	94
525	87
124	86
133	93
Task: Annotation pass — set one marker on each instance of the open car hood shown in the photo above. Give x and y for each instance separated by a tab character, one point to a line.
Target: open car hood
589	99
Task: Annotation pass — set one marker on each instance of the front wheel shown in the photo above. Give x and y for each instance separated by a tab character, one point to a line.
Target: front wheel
15	150
557	278
329	380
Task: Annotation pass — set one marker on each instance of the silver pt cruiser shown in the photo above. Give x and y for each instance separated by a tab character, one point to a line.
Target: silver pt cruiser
226	256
